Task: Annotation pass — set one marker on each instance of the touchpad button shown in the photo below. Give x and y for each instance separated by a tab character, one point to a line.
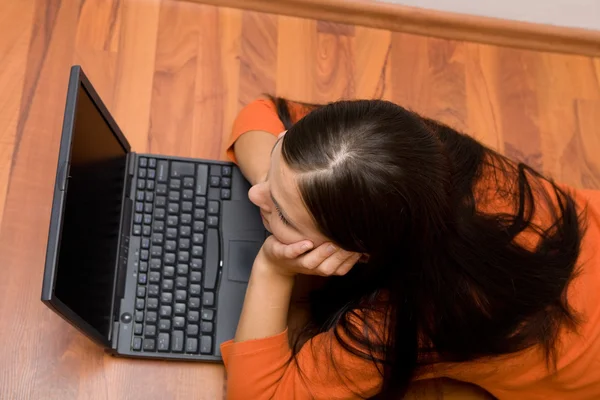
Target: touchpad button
241	257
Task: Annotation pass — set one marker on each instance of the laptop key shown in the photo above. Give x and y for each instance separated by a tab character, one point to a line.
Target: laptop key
137	218
157	238
175	184
206	327
192	330
161	188
146	229
196	277
213	207
186	206
169	272
197	251
194	290
149	344
164	325
200	202
193	316
151	174
198	238
226	170
163	341
139	195
184	244
180	295
141	291
155	264
170	245
162	171
179	169
139	316
191	345
178	322
187	194
143	266
142	172
145	243
152	162
181	282
201	179
186	219
226	183
143	162
161	201
215	181
138	329
139	206
152	303
148	208
151	317
166	298
206	345
174	196
150	185
158	226
166	311
141	184
179	309
159	213
153	290
142	278
173	208
188	183
154	277
137	229
213	221
225	194
207	315
212	259
198	226
171	233
182	269
177	341
170	258
185	231
150	330
172	220
183	256
194	303
167	285
208	299
144	255
137	343
156	251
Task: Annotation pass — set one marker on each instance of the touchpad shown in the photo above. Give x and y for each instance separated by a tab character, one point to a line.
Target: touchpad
241	257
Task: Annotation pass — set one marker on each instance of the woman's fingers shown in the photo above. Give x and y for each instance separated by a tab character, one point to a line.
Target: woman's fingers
334	262
290	251
348	264
313	259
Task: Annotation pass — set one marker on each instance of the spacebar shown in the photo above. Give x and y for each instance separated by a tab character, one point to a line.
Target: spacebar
211	267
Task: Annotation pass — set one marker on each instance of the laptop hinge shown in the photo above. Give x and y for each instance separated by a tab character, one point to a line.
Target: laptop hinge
125	232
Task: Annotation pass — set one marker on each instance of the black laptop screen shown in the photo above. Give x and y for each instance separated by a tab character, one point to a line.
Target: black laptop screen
88	246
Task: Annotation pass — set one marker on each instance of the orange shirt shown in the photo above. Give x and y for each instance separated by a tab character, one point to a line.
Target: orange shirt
259	369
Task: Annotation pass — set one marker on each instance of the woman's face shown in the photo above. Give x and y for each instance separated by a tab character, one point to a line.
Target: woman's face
281	206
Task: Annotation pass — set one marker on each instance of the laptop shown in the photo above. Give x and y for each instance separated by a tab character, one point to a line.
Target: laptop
148	255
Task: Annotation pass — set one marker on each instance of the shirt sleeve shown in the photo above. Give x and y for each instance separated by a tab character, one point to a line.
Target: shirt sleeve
261	115
323	369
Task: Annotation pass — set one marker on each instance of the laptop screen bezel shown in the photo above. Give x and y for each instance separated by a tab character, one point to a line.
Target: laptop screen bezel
77	79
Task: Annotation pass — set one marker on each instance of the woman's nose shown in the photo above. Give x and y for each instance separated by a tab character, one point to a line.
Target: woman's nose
258	194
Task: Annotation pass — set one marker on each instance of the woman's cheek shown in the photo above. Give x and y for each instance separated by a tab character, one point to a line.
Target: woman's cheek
285	235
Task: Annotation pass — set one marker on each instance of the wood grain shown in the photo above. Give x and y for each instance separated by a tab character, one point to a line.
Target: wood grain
174	75
422	21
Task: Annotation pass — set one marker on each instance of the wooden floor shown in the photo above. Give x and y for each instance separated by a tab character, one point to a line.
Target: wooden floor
174	75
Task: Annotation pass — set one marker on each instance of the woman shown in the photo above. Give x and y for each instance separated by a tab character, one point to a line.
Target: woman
446	260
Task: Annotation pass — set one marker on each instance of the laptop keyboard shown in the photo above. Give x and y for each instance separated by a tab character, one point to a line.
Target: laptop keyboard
177	213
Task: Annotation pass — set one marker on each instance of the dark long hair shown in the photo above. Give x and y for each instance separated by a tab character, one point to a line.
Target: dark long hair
452	278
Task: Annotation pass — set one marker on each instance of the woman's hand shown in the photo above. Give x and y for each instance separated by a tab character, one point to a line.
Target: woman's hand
301	258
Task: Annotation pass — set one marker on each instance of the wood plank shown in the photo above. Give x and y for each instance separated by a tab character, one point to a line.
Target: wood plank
48	368
428	77
217	80
172	109
135	70
428	22
14	45
372	59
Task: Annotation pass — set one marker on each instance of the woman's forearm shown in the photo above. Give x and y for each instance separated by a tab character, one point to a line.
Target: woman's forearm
265	309
252	151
